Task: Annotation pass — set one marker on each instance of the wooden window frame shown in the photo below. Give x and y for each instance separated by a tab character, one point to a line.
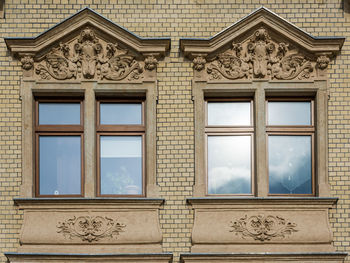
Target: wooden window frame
61	130
228	130
293	130
120	130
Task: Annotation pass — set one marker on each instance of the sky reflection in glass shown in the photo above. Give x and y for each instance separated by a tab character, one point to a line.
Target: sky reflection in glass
289	113
120	113
290	165
60	165
59	113
229	113
121	165
229	164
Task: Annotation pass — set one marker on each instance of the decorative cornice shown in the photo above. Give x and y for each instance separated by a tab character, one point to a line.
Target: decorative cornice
90	228
262	228
89	46
277	50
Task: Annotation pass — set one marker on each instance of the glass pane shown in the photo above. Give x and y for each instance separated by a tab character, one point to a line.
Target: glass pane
120	113
229	113
289	113
290	165
121	165
229	164
59	113
60	165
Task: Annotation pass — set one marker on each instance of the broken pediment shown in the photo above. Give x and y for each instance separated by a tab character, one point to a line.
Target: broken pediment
261	46
87	46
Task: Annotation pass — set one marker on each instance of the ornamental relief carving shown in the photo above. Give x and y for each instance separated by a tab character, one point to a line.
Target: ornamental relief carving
261	58
88	57
90	228
262	228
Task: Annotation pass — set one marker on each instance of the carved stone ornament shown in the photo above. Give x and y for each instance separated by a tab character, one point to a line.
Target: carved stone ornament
262	227
90	228
27	62
199	63
259	57
323	62
151	63
88	58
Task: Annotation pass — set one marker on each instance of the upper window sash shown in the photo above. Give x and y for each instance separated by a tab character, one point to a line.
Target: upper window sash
47	106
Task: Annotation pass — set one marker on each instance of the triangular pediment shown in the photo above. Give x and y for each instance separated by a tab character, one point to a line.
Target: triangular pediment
88	46
261	45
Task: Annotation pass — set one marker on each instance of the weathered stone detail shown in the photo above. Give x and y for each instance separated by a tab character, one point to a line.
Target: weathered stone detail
27	62
260	57
90	228
199	63
262	227
323	62
151	63
89	58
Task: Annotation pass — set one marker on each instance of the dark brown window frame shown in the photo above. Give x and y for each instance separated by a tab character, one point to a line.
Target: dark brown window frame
228	130
296	130
54	130
120	130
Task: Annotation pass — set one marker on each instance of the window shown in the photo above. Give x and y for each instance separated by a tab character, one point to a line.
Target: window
59	147
120	138
229	133
229	136
290	129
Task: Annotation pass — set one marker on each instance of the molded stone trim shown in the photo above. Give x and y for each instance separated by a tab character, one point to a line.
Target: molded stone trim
335	257
82	258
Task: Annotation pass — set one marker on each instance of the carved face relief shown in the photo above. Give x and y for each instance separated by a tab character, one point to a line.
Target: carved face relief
262	228
323	62
199	63
27	62
151	63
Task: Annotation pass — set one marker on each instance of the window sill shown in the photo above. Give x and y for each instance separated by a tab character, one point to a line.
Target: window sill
262	257
136	257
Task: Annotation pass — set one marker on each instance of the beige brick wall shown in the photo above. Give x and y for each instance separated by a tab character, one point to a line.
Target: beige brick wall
175	127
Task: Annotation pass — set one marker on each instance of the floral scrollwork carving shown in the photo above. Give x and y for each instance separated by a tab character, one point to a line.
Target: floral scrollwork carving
88	58
229	64
151	63
262	228
90	228
27	62
260	57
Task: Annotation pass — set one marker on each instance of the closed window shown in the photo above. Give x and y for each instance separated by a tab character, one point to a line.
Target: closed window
290	130
59	147
229	136
120	140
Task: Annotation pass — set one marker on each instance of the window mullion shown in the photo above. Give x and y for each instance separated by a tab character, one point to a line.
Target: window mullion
260	144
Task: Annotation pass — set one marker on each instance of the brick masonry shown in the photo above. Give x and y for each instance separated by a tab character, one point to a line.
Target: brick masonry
175	118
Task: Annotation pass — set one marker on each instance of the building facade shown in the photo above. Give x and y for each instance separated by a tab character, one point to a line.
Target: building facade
174	131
